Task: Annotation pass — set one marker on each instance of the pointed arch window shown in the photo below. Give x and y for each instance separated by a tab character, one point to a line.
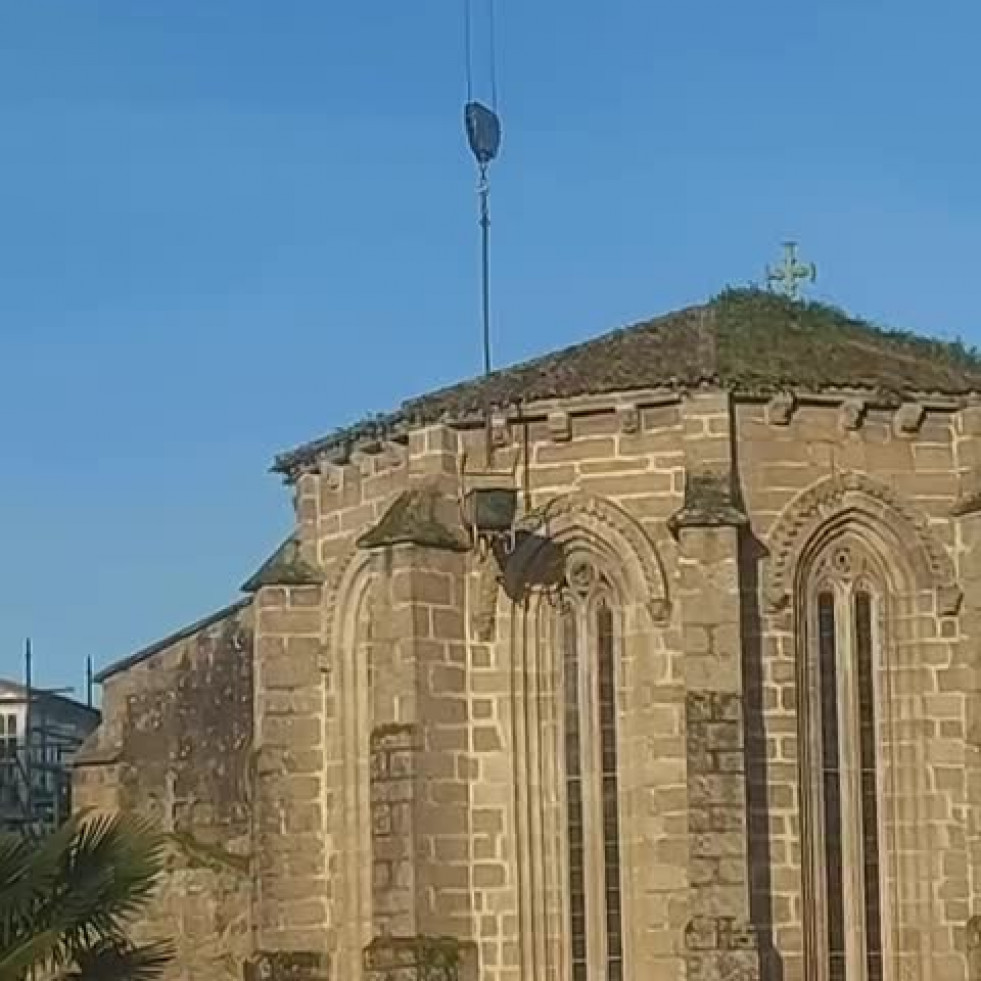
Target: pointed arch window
589	667
844	611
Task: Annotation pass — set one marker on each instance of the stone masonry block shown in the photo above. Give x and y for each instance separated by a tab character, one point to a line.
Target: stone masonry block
419	959
287	966
970	421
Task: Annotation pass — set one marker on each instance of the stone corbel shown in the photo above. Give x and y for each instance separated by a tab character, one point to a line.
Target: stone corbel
500	431
851	415
780	409
629	419
331	469
908	419
560	427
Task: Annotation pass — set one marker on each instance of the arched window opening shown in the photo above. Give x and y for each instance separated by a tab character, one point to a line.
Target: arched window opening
592	820
844	600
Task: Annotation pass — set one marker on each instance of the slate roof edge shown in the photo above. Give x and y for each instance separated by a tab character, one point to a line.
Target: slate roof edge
189	631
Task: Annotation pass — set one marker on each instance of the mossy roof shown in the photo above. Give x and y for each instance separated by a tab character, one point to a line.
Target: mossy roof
748	341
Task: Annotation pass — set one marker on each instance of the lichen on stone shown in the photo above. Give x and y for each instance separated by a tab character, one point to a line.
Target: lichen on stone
710	501
285	567
200	854
422	516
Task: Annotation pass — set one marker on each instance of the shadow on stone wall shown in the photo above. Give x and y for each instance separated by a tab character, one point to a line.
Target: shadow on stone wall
751	554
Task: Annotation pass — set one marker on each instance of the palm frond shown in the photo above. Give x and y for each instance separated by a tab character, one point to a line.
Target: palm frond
110	962
108	877
72	893
30	949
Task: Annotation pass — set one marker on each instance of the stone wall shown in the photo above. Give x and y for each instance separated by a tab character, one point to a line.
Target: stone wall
637	454
404	714
176	746
906	464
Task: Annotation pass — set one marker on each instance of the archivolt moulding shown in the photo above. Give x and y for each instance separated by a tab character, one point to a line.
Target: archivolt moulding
564	521
339	587
857	493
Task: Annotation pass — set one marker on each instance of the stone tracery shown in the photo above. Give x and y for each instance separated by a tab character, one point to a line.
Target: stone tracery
859	498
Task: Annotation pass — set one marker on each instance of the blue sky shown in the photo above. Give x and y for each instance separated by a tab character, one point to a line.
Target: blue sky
227	227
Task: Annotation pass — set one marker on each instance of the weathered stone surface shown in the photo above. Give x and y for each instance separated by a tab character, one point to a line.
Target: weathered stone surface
181	726
419	959
285	567
419	517
287	966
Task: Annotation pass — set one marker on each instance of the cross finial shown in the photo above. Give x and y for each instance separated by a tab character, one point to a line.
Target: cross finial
791	273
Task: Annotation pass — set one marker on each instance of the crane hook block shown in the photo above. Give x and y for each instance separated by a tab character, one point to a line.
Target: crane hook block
483	132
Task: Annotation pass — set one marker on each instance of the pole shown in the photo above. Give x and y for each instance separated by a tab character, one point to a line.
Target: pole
484	191
88	681
28	722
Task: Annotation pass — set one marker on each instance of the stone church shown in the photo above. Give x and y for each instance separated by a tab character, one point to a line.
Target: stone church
652	659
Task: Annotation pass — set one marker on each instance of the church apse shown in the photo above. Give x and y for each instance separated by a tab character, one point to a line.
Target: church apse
716	683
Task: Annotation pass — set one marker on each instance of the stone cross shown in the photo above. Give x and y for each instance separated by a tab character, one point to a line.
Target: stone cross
789	275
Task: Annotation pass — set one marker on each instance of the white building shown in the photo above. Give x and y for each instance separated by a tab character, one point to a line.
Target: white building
34	771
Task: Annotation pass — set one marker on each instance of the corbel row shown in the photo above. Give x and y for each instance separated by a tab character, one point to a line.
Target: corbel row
907	417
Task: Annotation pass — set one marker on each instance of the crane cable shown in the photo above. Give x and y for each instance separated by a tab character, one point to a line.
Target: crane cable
468	45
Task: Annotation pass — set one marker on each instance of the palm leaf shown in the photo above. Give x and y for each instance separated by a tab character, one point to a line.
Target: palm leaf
73	893
29	950
110	962
30	867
